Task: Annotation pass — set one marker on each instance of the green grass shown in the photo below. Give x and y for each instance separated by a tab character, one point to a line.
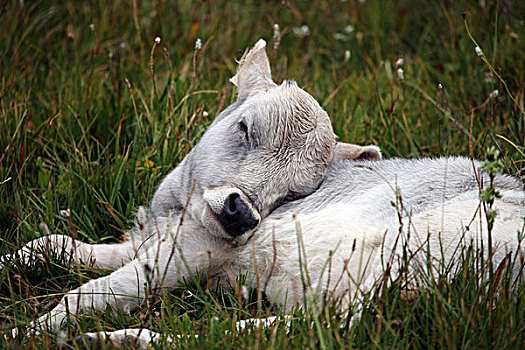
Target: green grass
91	118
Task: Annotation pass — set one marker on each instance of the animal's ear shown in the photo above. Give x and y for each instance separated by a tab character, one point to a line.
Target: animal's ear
348	151
253	74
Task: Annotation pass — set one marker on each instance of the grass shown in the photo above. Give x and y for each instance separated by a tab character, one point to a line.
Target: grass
92	116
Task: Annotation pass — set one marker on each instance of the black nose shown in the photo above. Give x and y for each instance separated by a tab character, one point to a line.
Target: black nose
236	217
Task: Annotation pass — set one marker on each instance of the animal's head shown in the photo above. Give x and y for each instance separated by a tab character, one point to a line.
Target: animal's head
273	144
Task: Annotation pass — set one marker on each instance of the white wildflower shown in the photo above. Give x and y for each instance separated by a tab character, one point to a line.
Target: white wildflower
157	40
92	27
348	54
478	51
440	86
494	94
349	29
276	32
205	114
198	44
302	32
65	213
306	30
401	73
399	62
276	36
123	45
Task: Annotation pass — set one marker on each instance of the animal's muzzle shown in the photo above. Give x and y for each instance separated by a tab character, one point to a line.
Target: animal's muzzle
230	213
237	217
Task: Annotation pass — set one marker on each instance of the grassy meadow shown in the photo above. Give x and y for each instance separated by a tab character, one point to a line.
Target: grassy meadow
93	114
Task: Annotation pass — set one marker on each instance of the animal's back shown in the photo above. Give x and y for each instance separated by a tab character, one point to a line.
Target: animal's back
353	220
419	184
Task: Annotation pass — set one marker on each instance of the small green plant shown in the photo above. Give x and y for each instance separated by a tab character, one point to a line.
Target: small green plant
492	165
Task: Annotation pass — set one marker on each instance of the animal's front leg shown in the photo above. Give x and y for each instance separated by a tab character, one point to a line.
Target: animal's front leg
38	248
161	266
124	289
105	256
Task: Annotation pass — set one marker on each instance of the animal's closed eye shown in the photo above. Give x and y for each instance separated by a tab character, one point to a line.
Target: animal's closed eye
243	128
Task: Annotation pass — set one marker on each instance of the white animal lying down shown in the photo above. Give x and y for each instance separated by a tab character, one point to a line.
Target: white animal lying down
337	214
272	145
